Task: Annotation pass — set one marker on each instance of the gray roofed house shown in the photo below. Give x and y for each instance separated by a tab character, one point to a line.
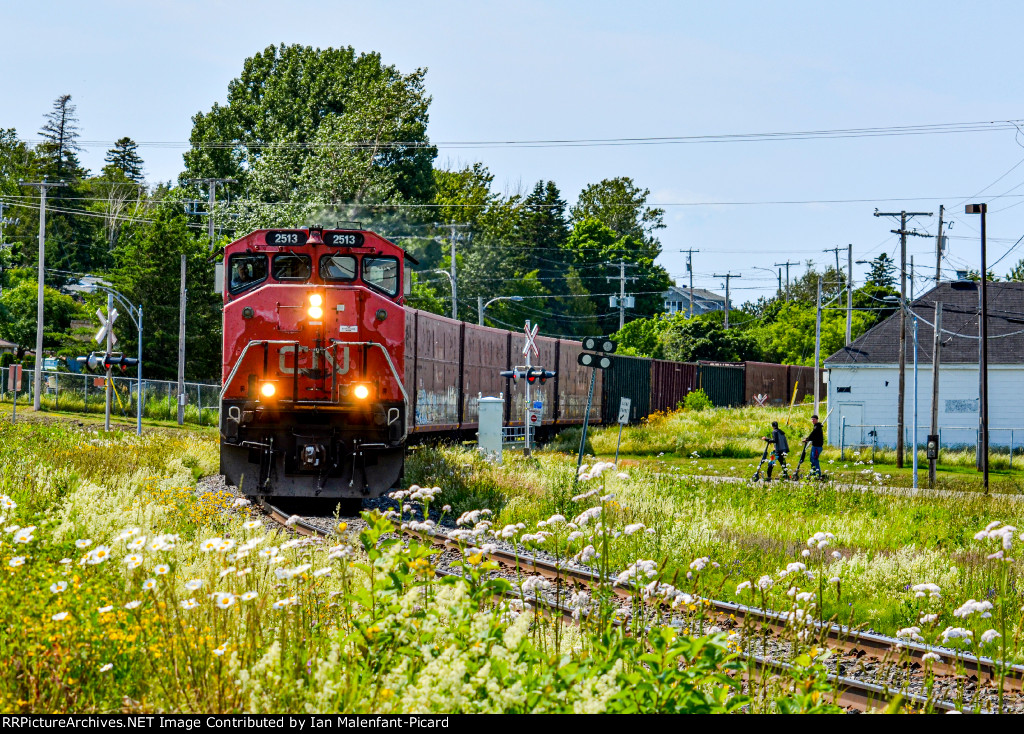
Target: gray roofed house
677	300
863	378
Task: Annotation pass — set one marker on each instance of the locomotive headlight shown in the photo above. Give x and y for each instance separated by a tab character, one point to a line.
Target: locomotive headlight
362	392
315	302
267	389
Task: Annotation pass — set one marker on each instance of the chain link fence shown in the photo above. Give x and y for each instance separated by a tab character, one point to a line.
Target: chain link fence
84	393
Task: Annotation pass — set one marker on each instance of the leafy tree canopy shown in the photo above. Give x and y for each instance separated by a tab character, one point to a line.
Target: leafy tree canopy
18	316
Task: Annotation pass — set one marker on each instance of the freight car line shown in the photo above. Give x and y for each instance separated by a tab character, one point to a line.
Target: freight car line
852	692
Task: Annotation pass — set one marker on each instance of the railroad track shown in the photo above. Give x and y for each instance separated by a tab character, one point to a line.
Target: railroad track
850	692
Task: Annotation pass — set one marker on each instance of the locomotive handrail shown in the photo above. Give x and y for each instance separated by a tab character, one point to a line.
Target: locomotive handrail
238	362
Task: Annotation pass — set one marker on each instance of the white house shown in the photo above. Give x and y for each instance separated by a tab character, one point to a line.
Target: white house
863	378
677	300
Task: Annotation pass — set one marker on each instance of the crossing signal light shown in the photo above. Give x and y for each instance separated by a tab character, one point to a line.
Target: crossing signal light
99	361
599	344
597	361
514	374
538	374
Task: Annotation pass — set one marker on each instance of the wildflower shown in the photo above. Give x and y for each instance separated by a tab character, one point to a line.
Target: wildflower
65	561
555	519
586	555
622	475
149	584
931	590
292	520
132	604
249	596
16	561
105	668
574	536
742	587
837	555
587	515
764	583
953	633
59	616
931	657
7	503
534	584
834	580
630	529
928	618
223	599
161	569
322	572
210	544
189	604
805	553
105	610
240	502
221	649
989	636
137	543
970	607
225	572
446	508
193	584
25	535
699	564
133	561
129	533
282	603
58	587
910	633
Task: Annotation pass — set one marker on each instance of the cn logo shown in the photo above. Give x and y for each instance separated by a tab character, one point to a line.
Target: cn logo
328	356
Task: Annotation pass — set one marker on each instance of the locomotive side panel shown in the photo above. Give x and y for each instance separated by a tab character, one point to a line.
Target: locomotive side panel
438	368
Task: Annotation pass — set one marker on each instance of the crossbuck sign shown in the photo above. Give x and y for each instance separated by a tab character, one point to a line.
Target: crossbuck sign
531	345
106	324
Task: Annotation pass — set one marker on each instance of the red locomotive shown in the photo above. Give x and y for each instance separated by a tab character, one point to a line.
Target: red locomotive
313	402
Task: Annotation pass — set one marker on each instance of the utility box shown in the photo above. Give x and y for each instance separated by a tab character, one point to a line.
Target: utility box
489	432
932	446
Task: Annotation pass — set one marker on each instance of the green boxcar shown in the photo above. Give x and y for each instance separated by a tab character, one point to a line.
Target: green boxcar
723	383
629	377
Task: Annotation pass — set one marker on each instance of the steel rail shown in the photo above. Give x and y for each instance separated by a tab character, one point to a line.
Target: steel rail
849	692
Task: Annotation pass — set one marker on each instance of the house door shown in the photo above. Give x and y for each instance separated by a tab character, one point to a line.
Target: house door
853	413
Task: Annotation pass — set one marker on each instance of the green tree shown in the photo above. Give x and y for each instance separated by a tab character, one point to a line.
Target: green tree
59	149
18	316
700	338
882	272
790	339
124	157
356	126
642	337
622	206
1016	273
148	262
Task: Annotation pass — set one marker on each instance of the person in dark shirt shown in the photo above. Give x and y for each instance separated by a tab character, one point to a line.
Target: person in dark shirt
779	454
817	441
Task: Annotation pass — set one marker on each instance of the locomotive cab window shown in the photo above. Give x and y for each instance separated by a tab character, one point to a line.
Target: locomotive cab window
247	271
338	267
288	266
381	273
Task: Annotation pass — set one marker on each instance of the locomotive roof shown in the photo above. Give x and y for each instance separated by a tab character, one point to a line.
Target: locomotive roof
305	235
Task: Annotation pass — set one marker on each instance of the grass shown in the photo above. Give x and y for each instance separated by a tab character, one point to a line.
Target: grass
125	590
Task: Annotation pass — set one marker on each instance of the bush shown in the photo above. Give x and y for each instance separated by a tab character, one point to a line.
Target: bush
6	359
697	400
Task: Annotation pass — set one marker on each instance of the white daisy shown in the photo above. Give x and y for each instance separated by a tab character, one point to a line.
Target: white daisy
58	587
149	584
105	668
193	584
16	561
132	604
104	610
210	544
161	569
248	596
189	604
59	616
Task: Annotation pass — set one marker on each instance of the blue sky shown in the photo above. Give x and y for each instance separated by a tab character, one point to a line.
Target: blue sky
533	70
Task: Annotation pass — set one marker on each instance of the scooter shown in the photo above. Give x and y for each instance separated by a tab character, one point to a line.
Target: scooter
764	457
803	454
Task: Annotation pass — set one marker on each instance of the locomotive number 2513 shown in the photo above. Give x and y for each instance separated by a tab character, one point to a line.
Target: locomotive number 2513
344	239
286	238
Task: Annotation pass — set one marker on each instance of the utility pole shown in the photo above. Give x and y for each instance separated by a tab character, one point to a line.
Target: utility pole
849	294
938	247
37	372
836	251
728	277
936	345
622	289
212	201
786	265
780	282
182	301
689	269
902	232
110	348
817	350
982	209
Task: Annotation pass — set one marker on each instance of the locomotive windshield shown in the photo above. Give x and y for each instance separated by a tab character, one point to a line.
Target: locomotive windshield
288	266
246	271
381	273
338	267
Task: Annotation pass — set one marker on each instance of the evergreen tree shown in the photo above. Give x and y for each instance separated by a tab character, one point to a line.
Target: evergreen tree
883	272
60	140
124	157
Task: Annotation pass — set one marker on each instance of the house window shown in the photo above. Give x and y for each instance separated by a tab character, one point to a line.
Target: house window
843	389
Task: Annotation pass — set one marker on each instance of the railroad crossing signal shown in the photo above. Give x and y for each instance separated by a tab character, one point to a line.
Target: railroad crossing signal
599	361
98	361
599	344
538	374
106	325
